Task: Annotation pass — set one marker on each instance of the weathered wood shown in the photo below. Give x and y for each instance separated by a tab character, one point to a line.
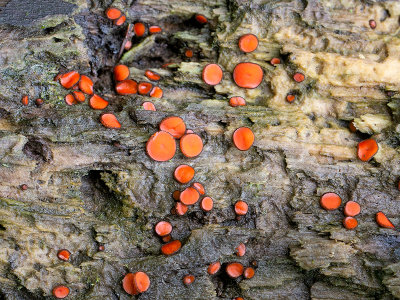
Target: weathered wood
89	186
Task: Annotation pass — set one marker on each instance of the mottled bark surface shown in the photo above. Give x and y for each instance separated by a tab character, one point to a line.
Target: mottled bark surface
84	189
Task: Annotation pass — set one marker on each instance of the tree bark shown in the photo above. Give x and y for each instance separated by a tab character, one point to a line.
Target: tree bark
91	186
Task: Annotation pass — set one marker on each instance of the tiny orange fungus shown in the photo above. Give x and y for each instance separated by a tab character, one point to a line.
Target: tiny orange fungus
63	254
25	100
149	106
86	85
152	75
121	72
350	223
243	138
248	75
191	145
248	273
68	80
372	24
180	208
128	45
175	195
367	149
183	173
330	201
290	98
144	88
174	126
351	209
201	19
189	53
214	268
96	102
156	92
121	20
212	74
237	101
79	96
188	279
352	127
110	121
383	221
136	283
241	208
298	77
166	239
171	247
248	43
163	228
241	249
207	203
275	61
189	196
139	29
234	270
113	13
161	146
70	99
155	29
39	102
199	187
60	292
126	87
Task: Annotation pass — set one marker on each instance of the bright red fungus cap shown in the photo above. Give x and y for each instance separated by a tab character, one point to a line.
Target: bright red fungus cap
184	173
163	228
60	292
139	29
241	208
351	209
189	196
68	80
350	223
121	72
136	283
188	279
191	145
175	126
63	254
383	221
367	149
237	101
248	75
161	146
212	74
214	268
109	120
234	270
248	43
113	13
299	77
207	203
243	138
171	247
330	201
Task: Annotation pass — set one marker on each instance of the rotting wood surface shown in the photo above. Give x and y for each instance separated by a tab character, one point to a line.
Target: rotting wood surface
89	186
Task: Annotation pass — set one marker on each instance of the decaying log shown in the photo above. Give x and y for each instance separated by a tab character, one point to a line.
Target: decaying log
91	186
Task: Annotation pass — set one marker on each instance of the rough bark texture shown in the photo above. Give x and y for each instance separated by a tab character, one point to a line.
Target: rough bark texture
84	189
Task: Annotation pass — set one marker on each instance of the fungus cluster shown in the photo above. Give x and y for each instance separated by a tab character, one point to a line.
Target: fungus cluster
161	145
